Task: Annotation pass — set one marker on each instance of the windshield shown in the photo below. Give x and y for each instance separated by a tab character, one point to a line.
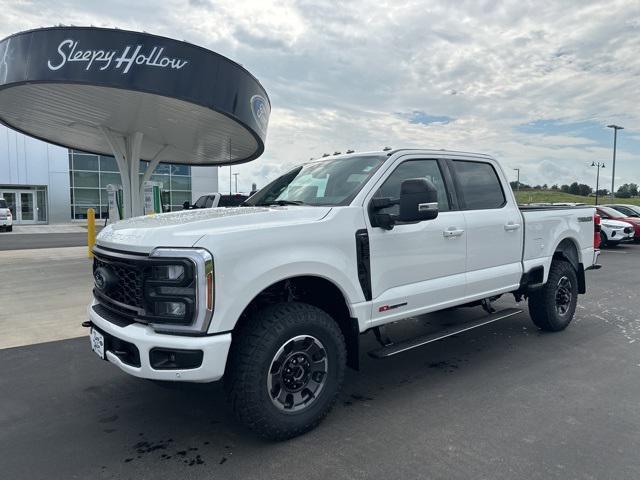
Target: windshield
328	182
610	212
628	211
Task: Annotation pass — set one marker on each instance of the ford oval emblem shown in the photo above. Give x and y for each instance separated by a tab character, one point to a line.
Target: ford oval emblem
104	279
261	111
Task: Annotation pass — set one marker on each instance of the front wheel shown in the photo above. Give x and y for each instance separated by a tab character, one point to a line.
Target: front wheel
285	368
552	306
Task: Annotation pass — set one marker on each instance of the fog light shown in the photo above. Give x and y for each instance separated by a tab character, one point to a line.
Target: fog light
172	359
171	309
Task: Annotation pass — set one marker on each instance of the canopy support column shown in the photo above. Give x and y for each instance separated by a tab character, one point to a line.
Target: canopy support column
134	142
151	168
126	151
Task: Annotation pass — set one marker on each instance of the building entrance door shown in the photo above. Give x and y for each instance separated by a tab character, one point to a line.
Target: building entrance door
23	206
26	207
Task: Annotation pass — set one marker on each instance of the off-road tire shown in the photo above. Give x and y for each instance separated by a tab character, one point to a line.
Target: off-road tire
253	349
546	304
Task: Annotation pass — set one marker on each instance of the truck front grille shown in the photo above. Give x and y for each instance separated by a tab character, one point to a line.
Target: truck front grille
126	295
130	282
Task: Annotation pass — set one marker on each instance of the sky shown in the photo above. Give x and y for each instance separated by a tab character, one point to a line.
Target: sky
532	83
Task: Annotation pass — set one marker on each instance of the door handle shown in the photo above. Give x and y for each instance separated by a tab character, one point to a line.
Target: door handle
452	232
511	226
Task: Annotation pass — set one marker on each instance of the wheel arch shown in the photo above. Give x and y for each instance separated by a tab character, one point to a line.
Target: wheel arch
568	250
319	292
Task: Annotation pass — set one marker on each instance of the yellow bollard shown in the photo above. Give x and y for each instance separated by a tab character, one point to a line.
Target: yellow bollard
91	230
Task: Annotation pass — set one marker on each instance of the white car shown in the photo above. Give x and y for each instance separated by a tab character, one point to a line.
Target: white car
6	218
274	295
613	232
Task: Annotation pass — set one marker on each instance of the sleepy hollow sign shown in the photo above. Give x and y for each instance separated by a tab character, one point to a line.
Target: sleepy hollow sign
66	85
69	51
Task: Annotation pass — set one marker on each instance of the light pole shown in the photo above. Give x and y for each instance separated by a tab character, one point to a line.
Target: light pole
517	181
236	179
613	169
599	165
230	180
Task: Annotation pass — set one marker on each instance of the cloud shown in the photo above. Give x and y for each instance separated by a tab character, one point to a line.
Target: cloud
425	119
534	84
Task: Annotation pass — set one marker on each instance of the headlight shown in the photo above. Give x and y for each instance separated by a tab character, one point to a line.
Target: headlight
180	290
170	309
168	272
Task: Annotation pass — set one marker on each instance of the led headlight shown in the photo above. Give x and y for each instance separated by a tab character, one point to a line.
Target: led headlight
170	309
180	290
168	272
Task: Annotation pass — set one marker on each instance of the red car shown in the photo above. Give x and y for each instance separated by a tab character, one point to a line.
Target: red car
613	214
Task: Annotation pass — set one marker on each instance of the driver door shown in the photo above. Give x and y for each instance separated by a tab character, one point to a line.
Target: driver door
417	267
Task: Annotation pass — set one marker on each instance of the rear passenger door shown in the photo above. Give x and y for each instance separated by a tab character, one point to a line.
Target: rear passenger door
494	228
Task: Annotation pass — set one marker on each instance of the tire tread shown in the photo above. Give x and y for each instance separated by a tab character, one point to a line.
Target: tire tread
256	336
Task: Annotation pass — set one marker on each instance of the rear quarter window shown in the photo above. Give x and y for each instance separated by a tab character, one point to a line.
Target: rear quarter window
480	185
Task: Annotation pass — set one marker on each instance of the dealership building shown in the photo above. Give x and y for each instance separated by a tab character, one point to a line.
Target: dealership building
44	183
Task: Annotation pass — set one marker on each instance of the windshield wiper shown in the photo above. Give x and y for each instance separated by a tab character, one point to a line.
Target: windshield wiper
282	202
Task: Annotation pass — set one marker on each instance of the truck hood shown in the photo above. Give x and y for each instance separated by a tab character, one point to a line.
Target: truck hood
185	228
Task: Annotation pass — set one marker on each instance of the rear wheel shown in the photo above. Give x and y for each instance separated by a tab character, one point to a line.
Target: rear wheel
552	306
603	239
10	228
285	368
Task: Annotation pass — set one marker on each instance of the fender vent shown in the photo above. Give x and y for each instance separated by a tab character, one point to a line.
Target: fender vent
364	263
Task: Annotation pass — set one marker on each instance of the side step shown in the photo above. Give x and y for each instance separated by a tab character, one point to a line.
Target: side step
396	348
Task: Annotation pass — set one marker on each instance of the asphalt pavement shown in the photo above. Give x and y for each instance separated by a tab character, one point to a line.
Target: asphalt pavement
42	240
501	402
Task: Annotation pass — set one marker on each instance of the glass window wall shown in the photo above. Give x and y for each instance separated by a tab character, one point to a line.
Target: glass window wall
90	174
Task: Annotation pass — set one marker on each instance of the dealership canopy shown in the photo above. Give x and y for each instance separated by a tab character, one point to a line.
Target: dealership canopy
131	95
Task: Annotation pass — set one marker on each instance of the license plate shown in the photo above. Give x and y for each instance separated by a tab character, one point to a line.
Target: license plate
97	343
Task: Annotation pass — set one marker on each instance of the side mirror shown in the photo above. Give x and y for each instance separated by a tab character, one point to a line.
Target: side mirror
186	205
418	200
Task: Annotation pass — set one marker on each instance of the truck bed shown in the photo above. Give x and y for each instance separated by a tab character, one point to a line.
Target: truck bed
545	225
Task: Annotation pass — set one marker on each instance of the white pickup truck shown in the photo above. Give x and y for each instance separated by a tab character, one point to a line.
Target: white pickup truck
274	295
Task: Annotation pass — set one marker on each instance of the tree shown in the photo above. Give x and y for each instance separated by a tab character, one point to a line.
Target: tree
555	187
603	192
584	190
574	189
565	188
624	191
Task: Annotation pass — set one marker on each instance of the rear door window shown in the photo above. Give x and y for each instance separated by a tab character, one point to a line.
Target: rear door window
480	185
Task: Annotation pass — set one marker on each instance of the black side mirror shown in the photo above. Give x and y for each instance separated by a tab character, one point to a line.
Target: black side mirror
418	200
186	205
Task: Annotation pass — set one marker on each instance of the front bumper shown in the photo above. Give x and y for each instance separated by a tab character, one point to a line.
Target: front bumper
215	349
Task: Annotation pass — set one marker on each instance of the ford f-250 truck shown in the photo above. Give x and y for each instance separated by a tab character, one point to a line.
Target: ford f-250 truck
274	295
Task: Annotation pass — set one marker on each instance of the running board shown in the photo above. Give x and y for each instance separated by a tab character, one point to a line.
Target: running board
395	348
